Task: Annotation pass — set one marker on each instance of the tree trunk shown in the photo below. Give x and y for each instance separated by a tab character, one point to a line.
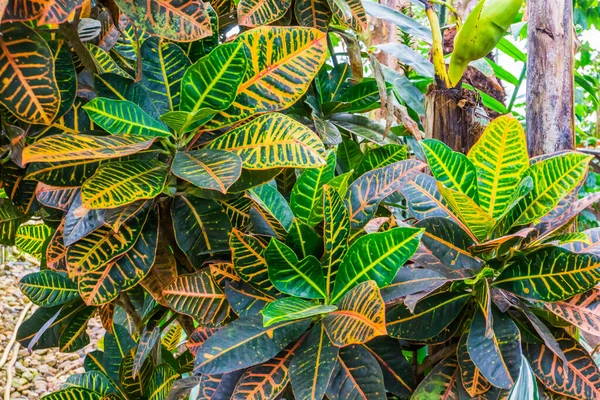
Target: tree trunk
550	80
383	31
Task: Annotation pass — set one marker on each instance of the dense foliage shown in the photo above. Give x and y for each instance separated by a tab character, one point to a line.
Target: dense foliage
240	225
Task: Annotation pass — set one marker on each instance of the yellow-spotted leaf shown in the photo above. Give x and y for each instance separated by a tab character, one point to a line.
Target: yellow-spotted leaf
212	82
553	179
335	235
48	288
102	245
74	393
376	256
479	222
271	141
179	20
500	158
163	67
31	238
550	274
119	183
44	12
65	147
172	338
261	12
10	218
106	283
292	308
313	13
453	169
198	296
349	13
29	88
282	63
105	63
124	117
359	318
208	169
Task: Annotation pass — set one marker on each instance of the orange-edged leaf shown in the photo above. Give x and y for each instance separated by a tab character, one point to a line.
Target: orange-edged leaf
208	169
359	318
44	12
198	337
218	386
272	141
313	364
349	13
471	377
583	311
282	63
223	272
179	20
365	193
107	282
292	308
162	273
198	296
579	378
107	313
29	89
266	380
63	147
245	300
56	197
56	252
103	245
253	13
249	261
357	376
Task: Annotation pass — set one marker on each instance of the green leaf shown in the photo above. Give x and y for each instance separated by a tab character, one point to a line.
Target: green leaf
185	122
526	385
553	178
245	300
424	199
313	364
362	97
116	347
360	316
119	183
104	62
580	311
253	13
66	76
133	384
398	374
245	342
10	218
431	315
273	208
161	382
407	55
479	222
304	240
73	335
249	261
349	13
410	281
124	117
182	21
163	67
376	256
365	193
577	378
349	155
500	159
74	393
550	274
357	376
201	227
453	169
380	157
212	82
116	87
341	182
305	199
336	232
271	141
48	288
198	296
92	380
30	238
497	357
208	169
312	13
292	308
302	278
148	339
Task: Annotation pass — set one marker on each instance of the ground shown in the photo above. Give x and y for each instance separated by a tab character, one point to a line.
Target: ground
44	371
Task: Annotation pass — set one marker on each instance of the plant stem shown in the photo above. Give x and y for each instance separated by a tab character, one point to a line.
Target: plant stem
69	31
517	88
129	308
437	49
433	359
331	51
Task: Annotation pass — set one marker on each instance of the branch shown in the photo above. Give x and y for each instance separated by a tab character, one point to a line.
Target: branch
69	31
125	302
433	359
14	335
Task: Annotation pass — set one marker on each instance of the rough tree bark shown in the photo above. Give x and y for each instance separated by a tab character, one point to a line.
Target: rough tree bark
550	80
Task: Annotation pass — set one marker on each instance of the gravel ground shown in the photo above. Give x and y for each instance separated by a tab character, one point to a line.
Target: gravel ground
44	371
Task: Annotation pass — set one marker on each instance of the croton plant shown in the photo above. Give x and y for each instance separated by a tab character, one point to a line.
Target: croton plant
201	178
